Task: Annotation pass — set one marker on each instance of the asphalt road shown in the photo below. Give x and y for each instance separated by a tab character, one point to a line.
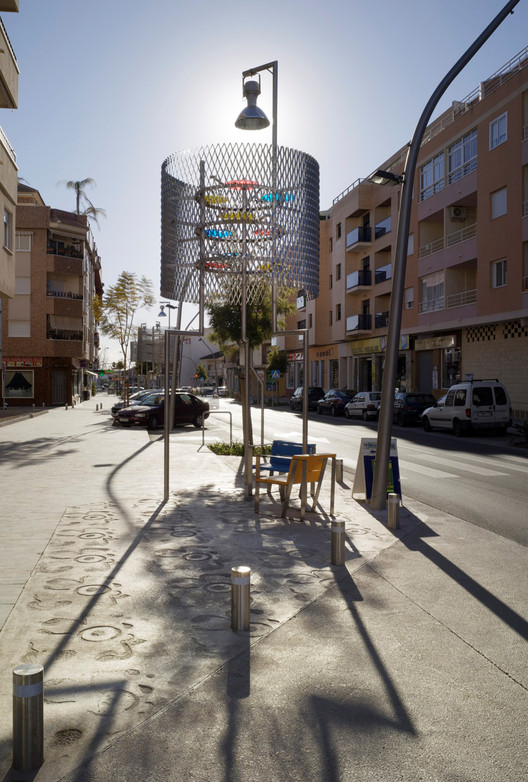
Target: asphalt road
481	479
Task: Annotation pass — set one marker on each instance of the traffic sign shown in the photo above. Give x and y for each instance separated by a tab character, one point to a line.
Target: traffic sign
275	374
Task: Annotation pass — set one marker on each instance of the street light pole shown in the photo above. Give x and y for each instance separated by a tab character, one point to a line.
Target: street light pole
379	485
213	353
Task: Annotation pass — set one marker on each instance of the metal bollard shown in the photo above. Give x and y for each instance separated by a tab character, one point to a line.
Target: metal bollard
393	505
28	717
339	470
240	579
338	543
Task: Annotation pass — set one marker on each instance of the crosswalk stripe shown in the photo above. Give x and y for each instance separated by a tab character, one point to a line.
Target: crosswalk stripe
423	470
461	465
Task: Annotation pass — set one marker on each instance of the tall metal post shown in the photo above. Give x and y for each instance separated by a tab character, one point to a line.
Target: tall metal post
379	485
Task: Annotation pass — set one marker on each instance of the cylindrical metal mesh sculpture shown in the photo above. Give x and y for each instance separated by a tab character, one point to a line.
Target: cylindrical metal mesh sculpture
228	209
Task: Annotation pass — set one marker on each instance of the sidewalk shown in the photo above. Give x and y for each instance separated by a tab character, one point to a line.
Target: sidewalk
409	663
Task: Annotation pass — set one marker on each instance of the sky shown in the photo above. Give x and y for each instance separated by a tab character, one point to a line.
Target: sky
109	89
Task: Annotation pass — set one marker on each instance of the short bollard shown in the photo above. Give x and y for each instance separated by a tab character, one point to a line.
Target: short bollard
28	717
240	578
66	406
393	505
339	470
338	543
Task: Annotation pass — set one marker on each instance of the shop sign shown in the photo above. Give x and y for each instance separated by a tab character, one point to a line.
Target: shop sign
295	356
301	301
364	478
435	343
325	353
22	362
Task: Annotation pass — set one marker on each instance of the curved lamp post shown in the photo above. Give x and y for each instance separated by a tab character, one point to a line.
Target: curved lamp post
379	485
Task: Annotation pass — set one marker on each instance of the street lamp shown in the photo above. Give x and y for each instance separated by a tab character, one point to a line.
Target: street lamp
213	353
253	118
166	305
379	484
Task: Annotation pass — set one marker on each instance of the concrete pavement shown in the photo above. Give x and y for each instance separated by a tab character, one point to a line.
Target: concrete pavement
409	663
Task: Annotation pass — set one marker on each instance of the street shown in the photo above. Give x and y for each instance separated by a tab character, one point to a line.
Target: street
478	478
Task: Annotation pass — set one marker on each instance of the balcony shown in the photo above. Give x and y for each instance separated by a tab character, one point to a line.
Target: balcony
383	227
64	294
64	327
460	299
383	273
358	280
8	72
8	5
61	248
359	238
469	232
381	320
358	323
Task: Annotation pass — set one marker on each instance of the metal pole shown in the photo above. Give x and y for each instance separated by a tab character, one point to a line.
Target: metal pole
338	543
28	717
240	582
379	483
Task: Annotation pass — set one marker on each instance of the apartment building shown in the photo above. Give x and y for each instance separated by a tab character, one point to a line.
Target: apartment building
49	335
465	309
8	167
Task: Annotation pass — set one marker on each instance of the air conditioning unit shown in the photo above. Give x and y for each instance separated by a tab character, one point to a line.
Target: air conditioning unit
457	213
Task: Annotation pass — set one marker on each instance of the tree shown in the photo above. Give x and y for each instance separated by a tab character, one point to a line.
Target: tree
82	200
200	372
115	311
225	320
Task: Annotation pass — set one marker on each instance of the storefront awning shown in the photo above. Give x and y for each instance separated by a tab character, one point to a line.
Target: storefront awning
65	323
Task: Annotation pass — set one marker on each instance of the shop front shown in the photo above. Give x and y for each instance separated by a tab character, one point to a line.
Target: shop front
438	363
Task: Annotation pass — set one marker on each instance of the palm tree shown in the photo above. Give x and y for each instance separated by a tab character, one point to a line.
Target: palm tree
82	200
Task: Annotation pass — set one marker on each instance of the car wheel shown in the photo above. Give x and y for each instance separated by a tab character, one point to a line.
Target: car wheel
365	416
153	422
426	424
198	421
457	428
347	414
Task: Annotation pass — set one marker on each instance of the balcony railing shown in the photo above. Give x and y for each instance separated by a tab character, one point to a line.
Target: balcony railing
459	299
64	294
72	336
381	320
432	305
363	277
359	323
469	232
69	252
383	273
357	235
383	227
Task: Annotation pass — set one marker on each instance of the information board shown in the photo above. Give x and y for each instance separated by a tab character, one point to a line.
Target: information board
362	488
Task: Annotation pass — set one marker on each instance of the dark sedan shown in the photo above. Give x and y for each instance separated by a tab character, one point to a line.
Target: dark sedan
315	393
409	406
134	399
188	409
334	402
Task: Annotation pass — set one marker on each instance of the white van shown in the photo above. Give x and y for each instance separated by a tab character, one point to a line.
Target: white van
471	405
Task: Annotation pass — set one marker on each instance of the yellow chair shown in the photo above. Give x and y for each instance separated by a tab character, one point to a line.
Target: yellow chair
304	469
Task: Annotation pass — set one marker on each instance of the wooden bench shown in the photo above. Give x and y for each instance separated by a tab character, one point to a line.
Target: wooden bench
304	469
281	455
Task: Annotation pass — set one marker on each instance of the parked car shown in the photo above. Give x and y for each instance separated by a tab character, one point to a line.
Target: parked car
409	406
134	399
315	393
364	404
188	409
334	402
471	405
222	391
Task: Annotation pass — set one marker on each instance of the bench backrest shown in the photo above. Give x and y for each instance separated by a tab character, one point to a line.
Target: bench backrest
282	452
315	464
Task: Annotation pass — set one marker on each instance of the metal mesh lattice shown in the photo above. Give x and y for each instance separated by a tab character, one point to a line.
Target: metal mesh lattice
218	216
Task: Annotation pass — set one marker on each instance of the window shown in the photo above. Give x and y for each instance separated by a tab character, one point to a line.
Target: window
409	298
499	203
330	319
462	157
19	328
525	267
410	244
23	243
331	245
8	230
498	273
310	321
432	177
330	281
338	312
338	271
432	292
338	231
498	131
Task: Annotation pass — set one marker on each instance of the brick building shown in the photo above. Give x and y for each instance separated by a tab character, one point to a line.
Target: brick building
49	336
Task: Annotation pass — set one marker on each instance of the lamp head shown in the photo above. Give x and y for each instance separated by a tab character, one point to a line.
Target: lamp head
252	118
162	313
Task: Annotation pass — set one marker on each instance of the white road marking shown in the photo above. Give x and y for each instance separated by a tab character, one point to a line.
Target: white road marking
461	465
422	470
